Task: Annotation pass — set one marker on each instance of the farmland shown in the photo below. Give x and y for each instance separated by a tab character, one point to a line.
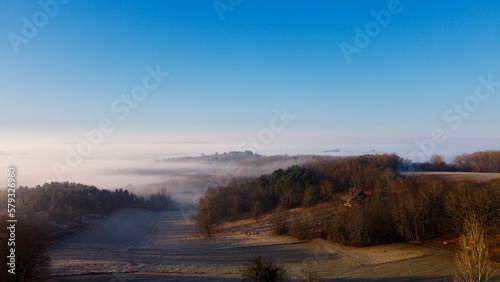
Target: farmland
135	244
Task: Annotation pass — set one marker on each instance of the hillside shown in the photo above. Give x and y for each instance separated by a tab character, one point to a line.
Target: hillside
141	245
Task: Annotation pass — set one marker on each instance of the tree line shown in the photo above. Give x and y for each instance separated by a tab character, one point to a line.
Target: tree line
64	203
296	186
371	202
66	199
481	161
417	210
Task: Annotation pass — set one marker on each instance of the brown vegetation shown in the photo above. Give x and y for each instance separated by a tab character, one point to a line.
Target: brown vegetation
206	215
485	161
280	218
383	206
263	270
31	261
309	275
473	260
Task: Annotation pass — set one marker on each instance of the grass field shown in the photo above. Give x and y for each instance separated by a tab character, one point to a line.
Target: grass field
161	246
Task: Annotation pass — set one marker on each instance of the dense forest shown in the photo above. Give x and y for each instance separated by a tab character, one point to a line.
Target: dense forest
62	208
53	210
297	186
66	200
371	202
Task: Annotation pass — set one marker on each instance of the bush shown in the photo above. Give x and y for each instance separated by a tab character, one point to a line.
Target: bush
298	229
309	275
280	220
338	232
260	269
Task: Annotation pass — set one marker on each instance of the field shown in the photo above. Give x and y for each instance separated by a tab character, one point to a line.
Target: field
144	245
453	176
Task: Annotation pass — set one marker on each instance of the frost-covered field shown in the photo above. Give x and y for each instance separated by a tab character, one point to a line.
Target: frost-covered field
160	246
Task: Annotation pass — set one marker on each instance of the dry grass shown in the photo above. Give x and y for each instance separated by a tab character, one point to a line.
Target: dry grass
163	246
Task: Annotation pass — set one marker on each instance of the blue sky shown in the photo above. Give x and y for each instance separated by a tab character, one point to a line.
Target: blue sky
226	76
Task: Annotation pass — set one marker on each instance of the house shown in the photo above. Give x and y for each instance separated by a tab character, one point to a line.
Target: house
355	194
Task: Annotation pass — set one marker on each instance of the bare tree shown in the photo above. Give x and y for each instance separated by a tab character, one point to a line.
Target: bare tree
437	162
161	199
473	260
206	216
279	219
257	210
309	275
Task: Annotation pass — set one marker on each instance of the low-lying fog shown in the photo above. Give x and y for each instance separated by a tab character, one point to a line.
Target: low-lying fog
143	167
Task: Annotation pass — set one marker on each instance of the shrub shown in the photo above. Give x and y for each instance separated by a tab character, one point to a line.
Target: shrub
260	269
298	229
280	220
309	275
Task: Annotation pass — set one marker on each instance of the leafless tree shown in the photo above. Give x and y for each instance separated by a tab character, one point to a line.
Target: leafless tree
279	219
473	260
206	216
309	275
437	162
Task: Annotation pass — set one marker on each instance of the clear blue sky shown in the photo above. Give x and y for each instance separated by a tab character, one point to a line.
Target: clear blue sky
227	76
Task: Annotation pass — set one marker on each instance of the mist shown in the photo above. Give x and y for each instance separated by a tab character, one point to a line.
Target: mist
144	167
